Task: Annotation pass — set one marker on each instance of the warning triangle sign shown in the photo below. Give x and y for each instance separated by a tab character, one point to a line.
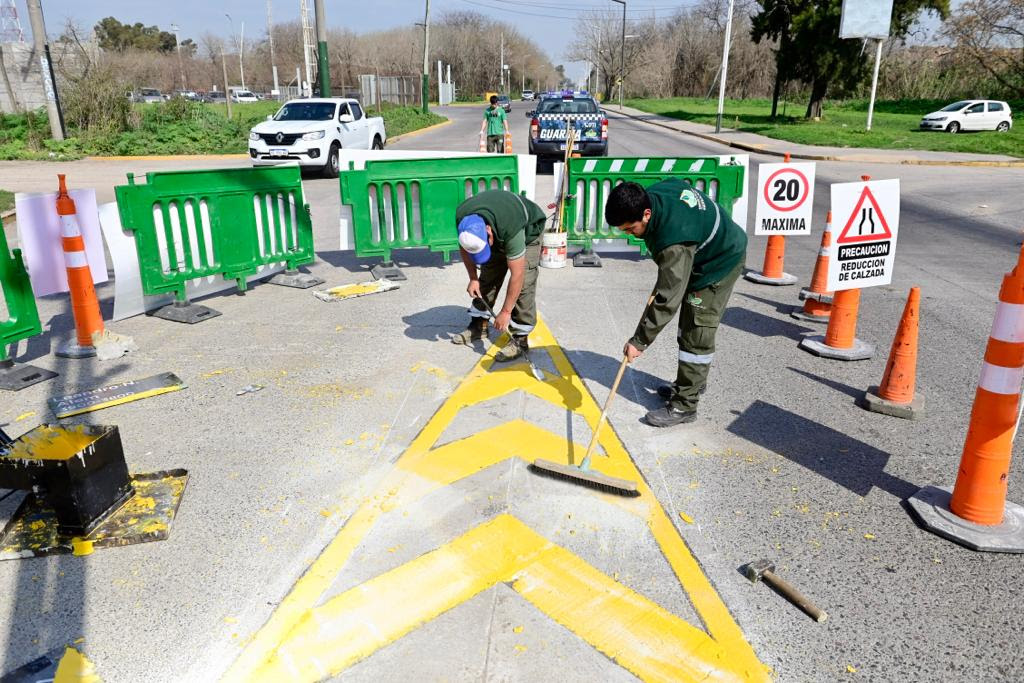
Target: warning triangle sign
866	223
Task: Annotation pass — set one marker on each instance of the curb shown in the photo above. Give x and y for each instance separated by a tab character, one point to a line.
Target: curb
413	133
7	216
826	157
166	157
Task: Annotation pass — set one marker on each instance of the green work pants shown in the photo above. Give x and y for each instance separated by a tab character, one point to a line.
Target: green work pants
496	144
699	318
492	276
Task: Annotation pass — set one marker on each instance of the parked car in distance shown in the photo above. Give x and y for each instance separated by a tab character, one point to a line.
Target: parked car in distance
527	96
147	95
505	103
187	94
242	95
311	131
970	115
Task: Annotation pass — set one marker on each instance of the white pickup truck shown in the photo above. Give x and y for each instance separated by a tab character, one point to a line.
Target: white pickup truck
311	131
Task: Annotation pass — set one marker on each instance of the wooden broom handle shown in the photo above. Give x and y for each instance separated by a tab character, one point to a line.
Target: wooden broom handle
611	394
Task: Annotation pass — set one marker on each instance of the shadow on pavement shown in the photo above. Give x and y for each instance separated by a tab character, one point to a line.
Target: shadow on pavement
762	325
848	462
830	383
784	309
436	324
403	258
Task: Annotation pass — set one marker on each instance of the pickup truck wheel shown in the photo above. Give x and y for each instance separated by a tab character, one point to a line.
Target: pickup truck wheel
331	165
377	144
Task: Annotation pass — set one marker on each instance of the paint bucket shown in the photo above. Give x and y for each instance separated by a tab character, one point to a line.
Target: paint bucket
552	249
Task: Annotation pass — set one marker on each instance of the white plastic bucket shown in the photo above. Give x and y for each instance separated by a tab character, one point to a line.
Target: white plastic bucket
553	249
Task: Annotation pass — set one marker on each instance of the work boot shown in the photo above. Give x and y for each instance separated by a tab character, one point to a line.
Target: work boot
512	350
477	331
667	391
670	417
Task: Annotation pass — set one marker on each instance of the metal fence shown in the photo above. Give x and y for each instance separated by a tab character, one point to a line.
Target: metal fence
399	90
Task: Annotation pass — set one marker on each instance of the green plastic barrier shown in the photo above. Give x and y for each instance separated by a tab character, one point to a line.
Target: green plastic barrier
22	319
591	180
403	204
228	222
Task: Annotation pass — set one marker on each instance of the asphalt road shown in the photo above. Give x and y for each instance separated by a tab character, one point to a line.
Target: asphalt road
781	463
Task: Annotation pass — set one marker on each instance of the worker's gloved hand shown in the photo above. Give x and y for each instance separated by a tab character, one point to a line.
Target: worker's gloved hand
631	352
474	289
502	321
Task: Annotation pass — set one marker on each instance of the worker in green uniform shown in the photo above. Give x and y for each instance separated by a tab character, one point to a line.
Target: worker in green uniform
700	253
499	232
495	126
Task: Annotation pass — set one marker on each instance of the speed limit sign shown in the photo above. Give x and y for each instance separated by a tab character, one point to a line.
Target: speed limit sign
785	199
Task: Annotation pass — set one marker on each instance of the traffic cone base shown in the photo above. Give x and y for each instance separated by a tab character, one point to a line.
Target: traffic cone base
72	349
815	344
762	279
876	404
930	506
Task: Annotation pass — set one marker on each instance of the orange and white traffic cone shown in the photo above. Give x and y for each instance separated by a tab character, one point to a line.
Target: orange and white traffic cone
840	340
817	299
508	143
483	143
895	395
976	513
91	339
85	307
772	272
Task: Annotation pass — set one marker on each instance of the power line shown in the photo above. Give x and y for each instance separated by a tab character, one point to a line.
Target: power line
575	6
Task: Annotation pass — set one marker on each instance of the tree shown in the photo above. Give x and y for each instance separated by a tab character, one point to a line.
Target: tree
810	48
992	33
118	37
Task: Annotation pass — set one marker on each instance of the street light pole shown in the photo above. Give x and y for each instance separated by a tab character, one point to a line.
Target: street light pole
426	65
177	46
322	66
725	70
270	38
622	52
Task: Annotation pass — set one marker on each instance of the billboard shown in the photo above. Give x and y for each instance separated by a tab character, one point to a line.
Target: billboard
865	19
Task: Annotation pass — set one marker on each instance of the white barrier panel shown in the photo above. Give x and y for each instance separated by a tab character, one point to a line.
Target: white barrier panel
40	241
128	297
739	208
527	169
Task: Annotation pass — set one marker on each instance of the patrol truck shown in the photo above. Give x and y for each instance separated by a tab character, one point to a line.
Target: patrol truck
555	113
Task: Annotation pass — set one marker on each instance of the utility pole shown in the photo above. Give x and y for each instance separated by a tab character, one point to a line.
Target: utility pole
227	92
426	66
270	37
177	45
42	49
725	70
307	47
241	55
501	67
622	52
322	67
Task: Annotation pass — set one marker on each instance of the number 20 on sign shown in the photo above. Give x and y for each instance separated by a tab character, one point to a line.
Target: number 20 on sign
785	199
866	221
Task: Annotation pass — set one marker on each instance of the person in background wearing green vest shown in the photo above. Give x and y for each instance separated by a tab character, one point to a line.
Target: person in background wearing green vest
495	125
700	253
499	231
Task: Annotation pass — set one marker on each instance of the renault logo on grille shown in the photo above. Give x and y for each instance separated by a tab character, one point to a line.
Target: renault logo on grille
280	137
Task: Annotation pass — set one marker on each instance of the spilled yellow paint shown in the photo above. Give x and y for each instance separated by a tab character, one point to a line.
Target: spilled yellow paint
355	290
80	546
686	518
75	668
51	442
430	370
25	416
306	640
214	373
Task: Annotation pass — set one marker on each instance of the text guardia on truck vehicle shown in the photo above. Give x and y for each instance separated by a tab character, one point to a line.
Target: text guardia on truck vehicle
311	131
556	113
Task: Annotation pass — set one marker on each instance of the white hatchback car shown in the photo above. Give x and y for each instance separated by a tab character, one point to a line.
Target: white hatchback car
970	115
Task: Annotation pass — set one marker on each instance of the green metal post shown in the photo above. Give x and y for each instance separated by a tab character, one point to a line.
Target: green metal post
322	65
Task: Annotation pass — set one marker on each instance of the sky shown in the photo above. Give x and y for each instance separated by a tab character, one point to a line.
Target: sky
547	22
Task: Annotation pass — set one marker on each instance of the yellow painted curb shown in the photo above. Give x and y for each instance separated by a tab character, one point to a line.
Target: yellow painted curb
167	157
413	133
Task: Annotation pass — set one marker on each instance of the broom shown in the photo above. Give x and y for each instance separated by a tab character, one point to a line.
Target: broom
582	473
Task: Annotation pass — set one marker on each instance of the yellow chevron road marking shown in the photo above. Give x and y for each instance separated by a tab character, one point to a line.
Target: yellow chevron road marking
423	469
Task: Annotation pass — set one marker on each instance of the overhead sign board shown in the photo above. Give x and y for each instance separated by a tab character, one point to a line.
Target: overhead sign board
785	199
867	219
865	19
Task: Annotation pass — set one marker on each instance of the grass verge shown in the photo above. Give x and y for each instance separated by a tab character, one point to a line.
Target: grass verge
895	124
175	127
6	200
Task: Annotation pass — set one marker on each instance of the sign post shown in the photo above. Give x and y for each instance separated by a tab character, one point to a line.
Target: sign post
867	19
785	200
864	254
